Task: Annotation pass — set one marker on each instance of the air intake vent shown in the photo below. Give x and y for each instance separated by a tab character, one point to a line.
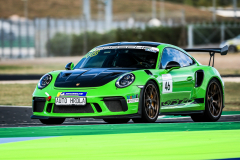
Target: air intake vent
98	108
38	104
49	107
66	74
148	72
115	73
114	106
73	109
199	78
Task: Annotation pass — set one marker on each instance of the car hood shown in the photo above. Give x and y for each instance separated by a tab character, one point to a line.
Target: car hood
89	77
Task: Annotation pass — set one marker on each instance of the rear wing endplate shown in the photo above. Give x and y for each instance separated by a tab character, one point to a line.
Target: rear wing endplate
212	51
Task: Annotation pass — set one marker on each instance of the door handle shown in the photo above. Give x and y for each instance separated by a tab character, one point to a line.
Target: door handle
190	78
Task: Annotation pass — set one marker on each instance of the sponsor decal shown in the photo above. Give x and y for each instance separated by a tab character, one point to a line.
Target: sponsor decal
132	98
95	51
92	53
152	49
62	94
175	102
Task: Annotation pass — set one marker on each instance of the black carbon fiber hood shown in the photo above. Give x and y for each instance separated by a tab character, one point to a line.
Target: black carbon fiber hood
90	77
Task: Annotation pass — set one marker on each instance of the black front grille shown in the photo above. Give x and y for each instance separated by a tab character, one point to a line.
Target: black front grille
98	108
73	109
38	106
49	107
114	106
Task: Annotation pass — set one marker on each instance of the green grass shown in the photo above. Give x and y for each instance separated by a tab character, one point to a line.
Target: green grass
232	96
21	95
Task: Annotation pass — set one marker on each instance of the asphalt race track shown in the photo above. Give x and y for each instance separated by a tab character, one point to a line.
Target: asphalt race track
171	137
20	117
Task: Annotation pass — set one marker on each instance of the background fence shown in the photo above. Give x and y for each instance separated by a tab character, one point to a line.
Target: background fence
28	38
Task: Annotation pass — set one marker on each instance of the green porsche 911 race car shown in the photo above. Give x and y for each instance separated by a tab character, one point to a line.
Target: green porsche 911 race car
120	81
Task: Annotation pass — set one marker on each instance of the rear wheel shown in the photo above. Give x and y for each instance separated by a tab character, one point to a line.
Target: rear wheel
213	103
150	105
232	49
115	121
52	120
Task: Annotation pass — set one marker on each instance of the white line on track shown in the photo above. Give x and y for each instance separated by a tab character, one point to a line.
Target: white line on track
19	82
18	139
16	106
162	117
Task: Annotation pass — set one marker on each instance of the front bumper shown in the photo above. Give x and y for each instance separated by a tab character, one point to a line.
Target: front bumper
101	103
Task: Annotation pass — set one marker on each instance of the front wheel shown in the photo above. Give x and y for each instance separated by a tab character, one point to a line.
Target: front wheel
116	121
213	103
52	120
150	104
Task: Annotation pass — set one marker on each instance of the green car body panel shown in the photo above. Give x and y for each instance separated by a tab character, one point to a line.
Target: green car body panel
181	89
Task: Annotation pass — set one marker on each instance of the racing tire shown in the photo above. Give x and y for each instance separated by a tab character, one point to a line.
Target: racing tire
52	120
232	49
213	103
150	104
116	121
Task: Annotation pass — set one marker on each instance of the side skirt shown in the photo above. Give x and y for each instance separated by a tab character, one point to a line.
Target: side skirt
183	113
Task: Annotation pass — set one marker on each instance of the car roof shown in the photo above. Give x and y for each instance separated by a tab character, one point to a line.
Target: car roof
143	43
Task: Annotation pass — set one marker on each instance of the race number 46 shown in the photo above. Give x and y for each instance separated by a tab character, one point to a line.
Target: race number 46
167	83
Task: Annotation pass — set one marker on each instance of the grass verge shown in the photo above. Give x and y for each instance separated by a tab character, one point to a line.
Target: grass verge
16	94
21	95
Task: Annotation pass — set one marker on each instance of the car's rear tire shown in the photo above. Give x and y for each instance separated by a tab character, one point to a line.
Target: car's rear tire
213	103
116	121
232	49
150	103
52	120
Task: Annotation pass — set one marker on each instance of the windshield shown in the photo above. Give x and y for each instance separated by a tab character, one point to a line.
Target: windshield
143	57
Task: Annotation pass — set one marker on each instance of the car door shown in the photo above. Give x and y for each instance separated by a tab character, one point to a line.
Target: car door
177	85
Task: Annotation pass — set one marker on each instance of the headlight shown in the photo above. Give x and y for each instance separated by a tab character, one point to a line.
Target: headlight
125	80
44	81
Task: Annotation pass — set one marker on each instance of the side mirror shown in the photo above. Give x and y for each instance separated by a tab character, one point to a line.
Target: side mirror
69	66
172	65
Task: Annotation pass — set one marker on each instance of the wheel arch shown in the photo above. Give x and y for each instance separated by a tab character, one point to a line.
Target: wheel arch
221	85
156	83
140	107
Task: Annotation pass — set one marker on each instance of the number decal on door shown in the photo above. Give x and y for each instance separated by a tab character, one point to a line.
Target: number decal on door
167	83
167	86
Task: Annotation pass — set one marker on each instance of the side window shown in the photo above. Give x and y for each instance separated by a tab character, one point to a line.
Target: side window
170	54
186	60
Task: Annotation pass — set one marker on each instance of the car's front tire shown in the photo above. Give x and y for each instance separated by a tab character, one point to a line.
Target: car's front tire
116	121
213	103
52	120
150	103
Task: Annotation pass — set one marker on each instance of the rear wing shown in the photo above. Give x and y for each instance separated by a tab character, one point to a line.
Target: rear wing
212	51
